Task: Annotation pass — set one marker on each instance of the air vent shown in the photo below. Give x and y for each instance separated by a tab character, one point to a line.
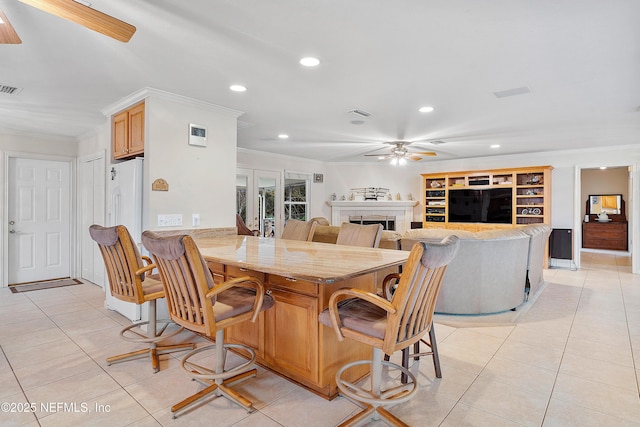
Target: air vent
360	113
512	92
10	90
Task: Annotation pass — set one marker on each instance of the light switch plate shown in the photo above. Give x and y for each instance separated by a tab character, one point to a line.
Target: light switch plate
172	220
195	220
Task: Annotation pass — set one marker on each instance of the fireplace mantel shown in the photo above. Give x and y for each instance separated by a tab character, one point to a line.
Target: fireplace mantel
401	209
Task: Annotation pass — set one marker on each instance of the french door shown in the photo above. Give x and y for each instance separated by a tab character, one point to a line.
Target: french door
259	200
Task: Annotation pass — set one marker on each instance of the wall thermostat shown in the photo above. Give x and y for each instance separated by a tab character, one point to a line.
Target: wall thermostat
197	135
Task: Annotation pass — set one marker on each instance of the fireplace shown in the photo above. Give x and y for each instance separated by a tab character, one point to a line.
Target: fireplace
400	212
388	221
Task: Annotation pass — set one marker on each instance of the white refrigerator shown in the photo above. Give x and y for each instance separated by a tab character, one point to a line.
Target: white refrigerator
125	208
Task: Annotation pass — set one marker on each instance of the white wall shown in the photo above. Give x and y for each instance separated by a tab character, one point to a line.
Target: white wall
201	179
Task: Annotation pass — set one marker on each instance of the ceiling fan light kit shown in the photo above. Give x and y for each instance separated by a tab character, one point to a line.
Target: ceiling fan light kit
399	153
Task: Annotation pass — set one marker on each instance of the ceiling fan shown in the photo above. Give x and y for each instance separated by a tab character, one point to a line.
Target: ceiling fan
399	153
77	11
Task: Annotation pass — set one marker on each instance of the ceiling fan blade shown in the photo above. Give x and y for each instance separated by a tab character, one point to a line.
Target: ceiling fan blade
425	153
382	156
87	17
8	34
413	157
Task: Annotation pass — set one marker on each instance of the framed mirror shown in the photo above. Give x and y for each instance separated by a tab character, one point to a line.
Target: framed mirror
609	203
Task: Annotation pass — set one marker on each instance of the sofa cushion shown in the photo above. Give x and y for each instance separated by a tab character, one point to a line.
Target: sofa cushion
500	234
437	233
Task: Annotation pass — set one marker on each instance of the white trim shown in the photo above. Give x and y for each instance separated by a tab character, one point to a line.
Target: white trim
152	92
4	228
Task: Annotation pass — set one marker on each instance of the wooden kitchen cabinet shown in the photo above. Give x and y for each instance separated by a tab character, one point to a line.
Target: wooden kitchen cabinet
128	132
292	335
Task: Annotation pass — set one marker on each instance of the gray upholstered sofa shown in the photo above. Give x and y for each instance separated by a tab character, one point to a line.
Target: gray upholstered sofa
494	270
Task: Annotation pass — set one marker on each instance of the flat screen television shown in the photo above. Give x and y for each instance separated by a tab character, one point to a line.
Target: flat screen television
491	205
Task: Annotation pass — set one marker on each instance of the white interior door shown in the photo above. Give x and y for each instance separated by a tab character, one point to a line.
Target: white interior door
91	189
259	200
39	214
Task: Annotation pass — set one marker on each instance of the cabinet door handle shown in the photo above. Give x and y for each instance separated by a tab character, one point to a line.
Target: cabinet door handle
290	279
243	269
268	292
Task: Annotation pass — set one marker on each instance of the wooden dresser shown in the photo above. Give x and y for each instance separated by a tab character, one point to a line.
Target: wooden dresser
604	235
611	235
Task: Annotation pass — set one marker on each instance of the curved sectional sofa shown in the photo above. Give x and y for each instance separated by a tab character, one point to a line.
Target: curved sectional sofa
494	270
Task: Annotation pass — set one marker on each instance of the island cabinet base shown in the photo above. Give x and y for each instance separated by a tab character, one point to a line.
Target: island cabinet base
288	338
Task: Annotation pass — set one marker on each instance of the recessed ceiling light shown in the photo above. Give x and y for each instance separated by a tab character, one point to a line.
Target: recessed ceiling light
283	136
310	61
494	146
238	88
426	109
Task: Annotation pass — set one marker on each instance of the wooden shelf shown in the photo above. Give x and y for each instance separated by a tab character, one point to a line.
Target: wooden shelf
531	188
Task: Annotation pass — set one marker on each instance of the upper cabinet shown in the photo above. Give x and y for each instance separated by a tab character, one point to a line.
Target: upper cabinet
128	132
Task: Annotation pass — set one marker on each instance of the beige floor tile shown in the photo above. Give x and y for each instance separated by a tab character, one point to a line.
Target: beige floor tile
538	381
65	308
563	414
74	389
303	408
466	416
462	358
424	409
26	326
40	337
95	325
453	383
547	358
597	396
20	357
17	411
599	371
52	370
148	421
113	409
596	350
10	385
75	317
506	401
257	419
473	340
533	337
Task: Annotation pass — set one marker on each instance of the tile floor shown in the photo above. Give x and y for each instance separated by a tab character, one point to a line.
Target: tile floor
572	358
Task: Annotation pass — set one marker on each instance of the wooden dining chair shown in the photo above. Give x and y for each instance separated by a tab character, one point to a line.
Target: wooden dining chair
243	229
130	280
299	230
389	285
197	304
359	235
388	326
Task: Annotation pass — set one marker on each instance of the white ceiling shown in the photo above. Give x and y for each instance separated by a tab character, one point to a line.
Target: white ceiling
579	58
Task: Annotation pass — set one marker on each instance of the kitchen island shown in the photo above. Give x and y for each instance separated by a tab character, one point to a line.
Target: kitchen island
300	276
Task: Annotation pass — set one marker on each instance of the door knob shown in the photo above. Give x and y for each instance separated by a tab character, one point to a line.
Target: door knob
11	222
12	231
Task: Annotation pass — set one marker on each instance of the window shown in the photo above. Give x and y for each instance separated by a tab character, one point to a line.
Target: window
296	200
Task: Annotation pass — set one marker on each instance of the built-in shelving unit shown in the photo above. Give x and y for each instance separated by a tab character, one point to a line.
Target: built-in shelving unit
531	195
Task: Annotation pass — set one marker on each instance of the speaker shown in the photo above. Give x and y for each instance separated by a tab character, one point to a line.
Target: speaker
561	243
